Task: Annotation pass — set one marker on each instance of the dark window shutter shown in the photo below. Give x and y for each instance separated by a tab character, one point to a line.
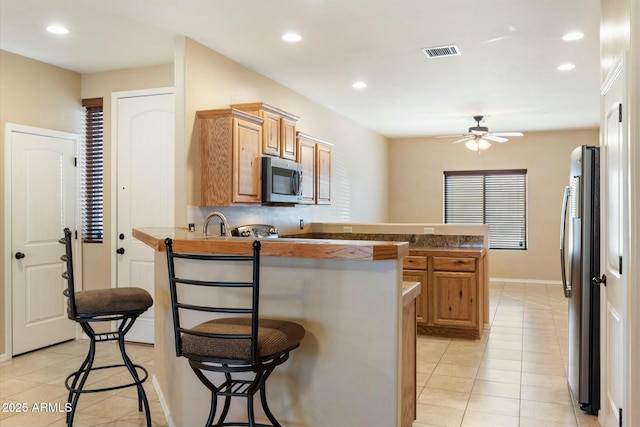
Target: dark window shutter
91	172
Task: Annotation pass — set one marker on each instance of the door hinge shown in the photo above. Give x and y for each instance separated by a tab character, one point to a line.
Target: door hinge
620	264
619	113
75	161
620	416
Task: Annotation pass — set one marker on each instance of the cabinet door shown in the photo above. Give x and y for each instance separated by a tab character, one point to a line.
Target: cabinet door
421	301
247	137
454	299
271	137
307	156
288	139
323	176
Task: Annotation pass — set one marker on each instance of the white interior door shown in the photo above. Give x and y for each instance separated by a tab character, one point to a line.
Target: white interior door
43	195
145	189
614	241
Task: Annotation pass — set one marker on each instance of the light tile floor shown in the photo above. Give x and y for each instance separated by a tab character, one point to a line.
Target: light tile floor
515	376
38	378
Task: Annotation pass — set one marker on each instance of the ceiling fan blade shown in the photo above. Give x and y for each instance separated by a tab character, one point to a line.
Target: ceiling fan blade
450	136
495	138
508	134
466	138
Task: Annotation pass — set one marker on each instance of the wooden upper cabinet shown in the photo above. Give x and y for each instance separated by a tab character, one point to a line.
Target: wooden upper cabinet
315	157
323	174
230	147
278	129
307	157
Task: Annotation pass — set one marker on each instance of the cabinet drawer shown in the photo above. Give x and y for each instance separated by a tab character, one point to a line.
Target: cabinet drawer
414	262
454	264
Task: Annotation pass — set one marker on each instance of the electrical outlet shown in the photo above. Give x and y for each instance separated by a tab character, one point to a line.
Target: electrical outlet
429	230
347	229
301	224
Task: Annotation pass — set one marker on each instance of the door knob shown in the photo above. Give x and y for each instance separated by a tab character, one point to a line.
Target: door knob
121	236
120	251
19	255
599	280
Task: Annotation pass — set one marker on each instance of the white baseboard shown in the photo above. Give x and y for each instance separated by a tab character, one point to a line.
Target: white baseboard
4	357
527	281
163	402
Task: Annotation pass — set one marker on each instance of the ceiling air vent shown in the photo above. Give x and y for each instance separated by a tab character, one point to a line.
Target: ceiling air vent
440	51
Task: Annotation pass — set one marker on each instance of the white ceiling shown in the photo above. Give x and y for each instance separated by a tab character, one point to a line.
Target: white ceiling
507	70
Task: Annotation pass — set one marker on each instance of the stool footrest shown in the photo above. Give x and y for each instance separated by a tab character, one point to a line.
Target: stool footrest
74	375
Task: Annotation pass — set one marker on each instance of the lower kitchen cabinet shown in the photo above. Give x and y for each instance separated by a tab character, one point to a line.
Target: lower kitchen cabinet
452	299
421	305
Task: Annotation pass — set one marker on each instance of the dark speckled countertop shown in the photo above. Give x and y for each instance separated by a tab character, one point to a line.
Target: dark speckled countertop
416	241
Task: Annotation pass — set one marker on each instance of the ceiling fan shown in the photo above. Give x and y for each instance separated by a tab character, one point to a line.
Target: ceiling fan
479	138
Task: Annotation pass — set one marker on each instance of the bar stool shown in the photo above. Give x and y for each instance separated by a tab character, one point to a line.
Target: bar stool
231	344
121	305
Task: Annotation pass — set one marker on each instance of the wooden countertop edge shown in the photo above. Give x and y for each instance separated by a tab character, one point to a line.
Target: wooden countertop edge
295	248
410	291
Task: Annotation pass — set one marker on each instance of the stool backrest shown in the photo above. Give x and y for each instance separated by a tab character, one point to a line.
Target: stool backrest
68	274
178	304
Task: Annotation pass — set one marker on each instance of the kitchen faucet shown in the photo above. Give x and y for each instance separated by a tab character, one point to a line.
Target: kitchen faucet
225	224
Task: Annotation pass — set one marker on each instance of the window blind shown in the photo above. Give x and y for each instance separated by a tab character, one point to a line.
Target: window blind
91	172
497	198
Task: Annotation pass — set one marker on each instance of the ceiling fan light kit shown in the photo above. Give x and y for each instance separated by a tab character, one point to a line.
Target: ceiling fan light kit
479	138
479	144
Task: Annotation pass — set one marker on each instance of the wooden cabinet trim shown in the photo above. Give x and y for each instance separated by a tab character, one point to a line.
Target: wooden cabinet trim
250	106
228	112
313	139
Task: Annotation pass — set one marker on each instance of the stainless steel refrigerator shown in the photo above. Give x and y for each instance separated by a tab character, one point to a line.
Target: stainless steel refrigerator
580	260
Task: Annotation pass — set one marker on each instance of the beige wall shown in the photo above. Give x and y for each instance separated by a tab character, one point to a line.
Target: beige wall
34	94
416	190
96	257
359	175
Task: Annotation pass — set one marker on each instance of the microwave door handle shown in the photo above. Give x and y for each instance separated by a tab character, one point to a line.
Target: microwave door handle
563	228
296	179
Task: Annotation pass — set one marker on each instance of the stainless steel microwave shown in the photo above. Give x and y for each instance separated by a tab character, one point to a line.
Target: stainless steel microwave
281	180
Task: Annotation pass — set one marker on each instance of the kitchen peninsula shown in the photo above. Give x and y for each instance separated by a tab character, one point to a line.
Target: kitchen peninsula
347	294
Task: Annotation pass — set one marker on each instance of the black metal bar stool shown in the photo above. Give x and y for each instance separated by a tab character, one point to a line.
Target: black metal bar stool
232	344
121	305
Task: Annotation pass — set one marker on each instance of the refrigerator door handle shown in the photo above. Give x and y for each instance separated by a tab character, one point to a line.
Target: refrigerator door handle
563	228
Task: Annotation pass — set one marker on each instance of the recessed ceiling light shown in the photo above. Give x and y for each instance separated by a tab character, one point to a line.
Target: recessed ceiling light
572	36
359	85
292	37
566	67
57	29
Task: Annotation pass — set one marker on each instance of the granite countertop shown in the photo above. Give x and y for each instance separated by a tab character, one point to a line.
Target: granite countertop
416	241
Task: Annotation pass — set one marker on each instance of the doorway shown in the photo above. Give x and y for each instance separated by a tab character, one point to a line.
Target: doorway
615	244
41	202
143	146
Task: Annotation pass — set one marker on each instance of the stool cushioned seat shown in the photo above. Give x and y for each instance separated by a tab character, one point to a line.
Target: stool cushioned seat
112	301
274	337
